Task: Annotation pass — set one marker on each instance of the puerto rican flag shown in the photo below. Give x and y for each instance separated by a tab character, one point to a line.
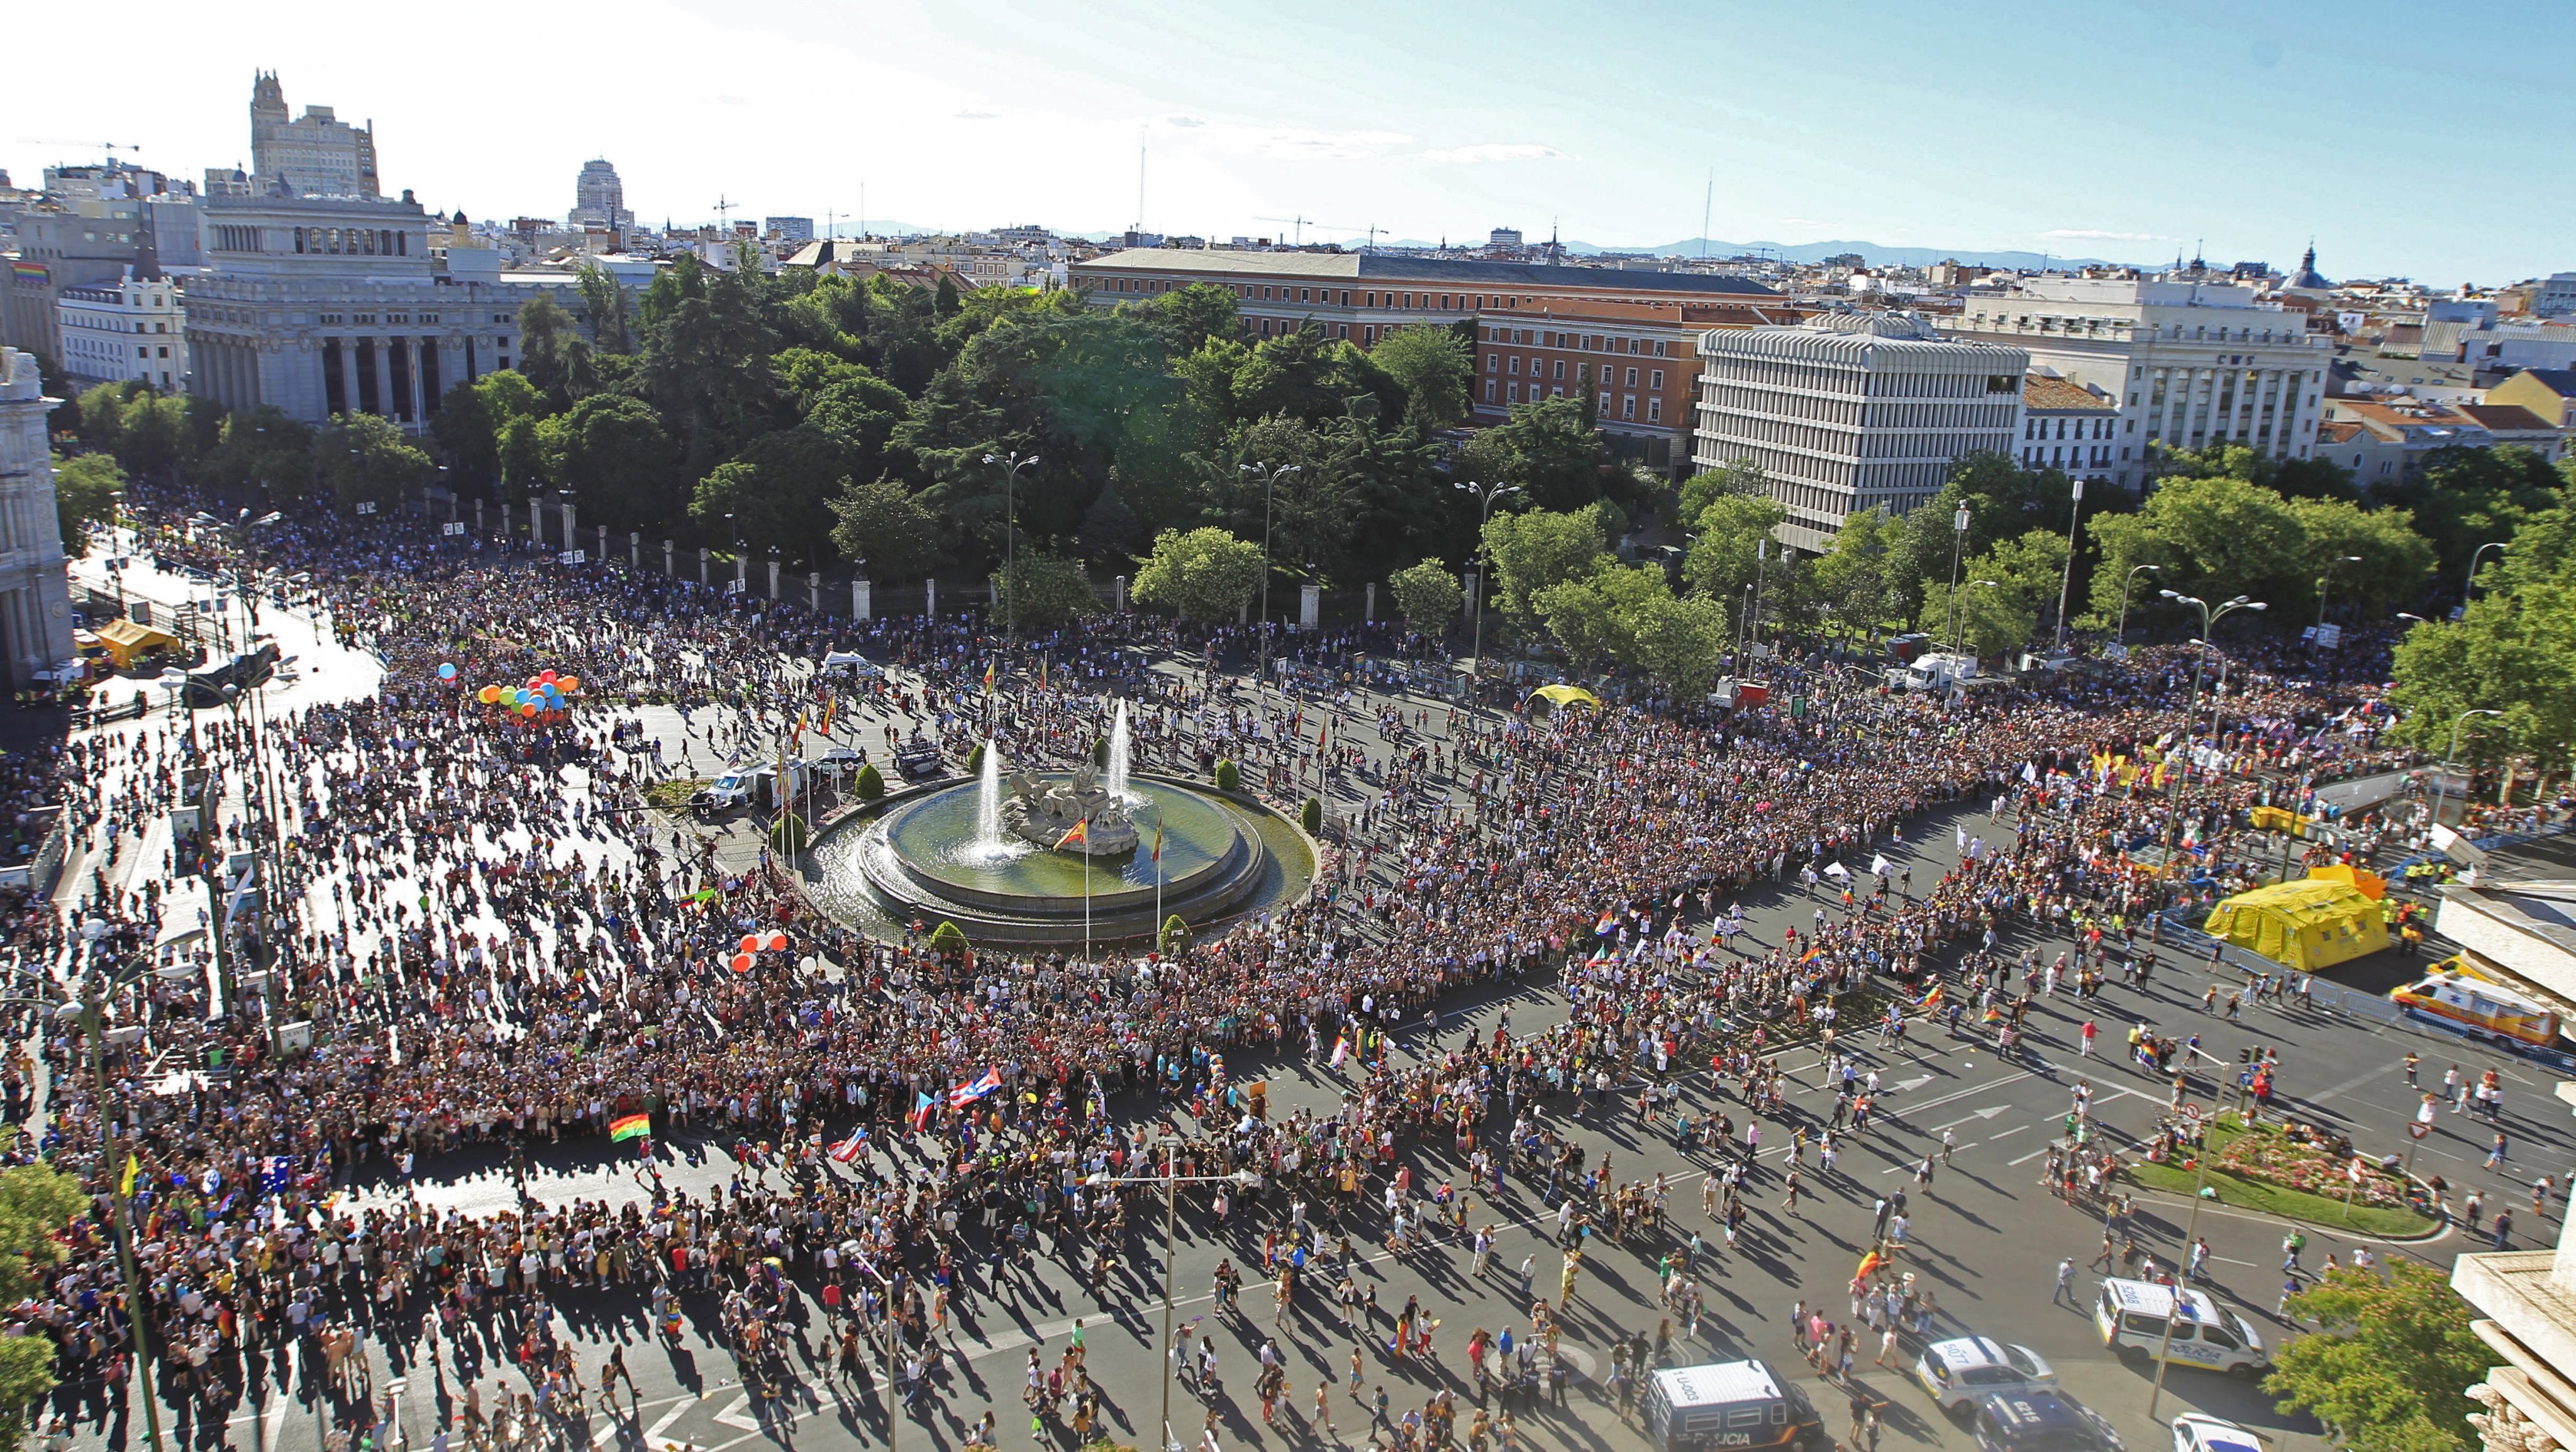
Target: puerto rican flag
922	1111
851	1148
964	1095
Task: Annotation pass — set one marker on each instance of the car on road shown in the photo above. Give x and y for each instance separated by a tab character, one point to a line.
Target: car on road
1726	1405
2041	1419
2132	1318
2200	1432
1963	1372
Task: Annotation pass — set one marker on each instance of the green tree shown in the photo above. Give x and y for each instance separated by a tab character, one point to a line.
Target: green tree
2463	498
1743	478
2289	478
1852	577
888	527
36	1203
364	459
1547	448
472	420
551	351
2512	650
779	490
2389	1366
85	490
1434	366
1594	617
610	307
1206	574
1532	550
2213	536
261	449
1681	641
1737	543
1428	597
2395	564
2001	594
1186	318
1042	591
612	453
947	301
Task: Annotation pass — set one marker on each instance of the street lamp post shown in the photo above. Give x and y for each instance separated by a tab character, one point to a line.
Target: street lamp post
2126	582
1958	542
2326	581
1484	495
1171	1180
1269	475
2209	618
2442	783
2469	586
2066	581
1012	465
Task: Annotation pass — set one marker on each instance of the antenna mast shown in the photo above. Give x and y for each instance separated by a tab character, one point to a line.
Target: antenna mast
1707	199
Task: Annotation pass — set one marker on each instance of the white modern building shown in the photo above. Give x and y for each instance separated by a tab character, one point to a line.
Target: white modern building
1852	411
2192	363
313	155
35	597
128	327
324	305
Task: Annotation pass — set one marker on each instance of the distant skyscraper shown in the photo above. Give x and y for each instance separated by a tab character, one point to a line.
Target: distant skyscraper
314	155
599	198
788	229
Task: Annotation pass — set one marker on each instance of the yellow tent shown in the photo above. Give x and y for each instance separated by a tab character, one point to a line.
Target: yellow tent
2372	885
1563	696
2305	924
125	641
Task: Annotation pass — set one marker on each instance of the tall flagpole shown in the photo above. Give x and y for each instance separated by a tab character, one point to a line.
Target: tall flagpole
1086	894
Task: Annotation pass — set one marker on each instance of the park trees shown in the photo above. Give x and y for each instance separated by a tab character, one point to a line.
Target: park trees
85	489
886	527
1547	448
364	459
1427	596
1536	548
2389	1366
1205	574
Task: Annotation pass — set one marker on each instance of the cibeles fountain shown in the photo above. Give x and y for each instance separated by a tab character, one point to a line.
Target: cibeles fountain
1046	813
998	854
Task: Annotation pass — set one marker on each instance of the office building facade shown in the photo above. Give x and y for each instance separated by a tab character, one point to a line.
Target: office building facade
129	327
1852	411
35	599
313	155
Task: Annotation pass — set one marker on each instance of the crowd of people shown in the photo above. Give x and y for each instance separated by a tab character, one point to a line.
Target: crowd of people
474	937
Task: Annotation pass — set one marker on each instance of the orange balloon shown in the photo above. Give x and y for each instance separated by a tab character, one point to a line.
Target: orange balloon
742	962
750	943
777	943
488	695
569	685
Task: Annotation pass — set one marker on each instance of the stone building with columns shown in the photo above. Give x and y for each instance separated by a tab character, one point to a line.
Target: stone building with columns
2189	362
35	609
318	305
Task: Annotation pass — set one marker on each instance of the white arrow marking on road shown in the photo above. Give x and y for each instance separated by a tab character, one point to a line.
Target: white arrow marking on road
732	1416
1917	1082
654	1433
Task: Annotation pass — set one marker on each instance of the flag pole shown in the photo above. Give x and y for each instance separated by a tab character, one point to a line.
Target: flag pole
1086	898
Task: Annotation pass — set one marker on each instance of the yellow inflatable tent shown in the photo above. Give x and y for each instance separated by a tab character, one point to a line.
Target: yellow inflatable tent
2306	924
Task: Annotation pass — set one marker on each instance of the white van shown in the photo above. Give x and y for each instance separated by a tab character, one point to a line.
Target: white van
2131	1316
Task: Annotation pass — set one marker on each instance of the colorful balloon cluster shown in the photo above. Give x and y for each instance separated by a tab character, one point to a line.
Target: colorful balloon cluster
754	943
542	697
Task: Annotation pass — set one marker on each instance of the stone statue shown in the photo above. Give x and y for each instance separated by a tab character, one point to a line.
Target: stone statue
1043	811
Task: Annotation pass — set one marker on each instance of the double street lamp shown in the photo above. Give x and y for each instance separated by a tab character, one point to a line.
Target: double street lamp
1011	464
1171	1180
2209	617
2326	580
1484	495
2441	783
2128	582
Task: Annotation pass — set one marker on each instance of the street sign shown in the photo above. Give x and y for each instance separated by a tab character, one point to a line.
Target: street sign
452	528
366	506
573	557
2419	1129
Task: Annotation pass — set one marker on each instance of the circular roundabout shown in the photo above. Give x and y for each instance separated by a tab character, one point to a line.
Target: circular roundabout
944	853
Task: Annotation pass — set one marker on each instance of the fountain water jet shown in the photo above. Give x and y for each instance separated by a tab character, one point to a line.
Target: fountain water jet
989	840
1118	749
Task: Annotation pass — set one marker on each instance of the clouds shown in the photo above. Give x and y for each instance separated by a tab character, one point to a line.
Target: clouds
1281	143
1494	151
2096	234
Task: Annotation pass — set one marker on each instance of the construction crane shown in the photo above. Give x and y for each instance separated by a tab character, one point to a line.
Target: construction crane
1302	223
110	147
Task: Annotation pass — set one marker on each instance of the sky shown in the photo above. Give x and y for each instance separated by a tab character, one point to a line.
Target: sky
2406	138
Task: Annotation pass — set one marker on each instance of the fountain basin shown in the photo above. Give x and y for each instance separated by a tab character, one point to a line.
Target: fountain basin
921	859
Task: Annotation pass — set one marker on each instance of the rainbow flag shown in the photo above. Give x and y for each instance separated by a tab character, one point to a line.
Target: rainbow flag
630	1126
1341	1049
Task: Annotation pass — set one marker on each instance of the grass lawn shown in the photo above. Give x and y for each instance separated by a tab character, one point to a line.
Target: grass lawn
2267	1198
674	794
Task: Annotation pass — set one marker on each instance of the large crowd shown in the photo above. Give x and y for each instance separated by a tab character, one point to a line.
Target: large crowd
473	933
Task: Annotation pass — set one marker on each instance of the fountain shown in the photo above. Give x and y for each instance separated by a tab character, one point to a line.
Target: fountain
1118	748
983	854
989	840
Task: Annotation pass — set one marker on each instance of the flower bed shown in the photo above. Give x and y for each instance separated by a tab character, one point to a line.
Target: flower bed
2268	1154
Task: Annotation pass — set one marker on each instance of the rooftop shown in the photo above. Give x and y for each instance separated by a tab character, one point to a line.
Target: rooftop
2507	418
1384	267
2058	395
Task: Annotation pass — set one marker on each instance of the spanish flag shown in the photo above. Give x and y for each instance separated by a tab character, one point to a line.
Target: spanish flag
988	677
1158	842
133	1170
1080	835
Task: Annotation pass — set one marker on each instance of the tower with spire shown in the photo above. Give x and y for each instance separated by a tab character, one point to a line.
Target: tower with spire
316	154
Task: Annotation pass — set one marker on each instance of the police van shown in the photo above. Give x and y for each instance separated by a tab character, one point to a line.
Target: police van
1731	1404
2132	1318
